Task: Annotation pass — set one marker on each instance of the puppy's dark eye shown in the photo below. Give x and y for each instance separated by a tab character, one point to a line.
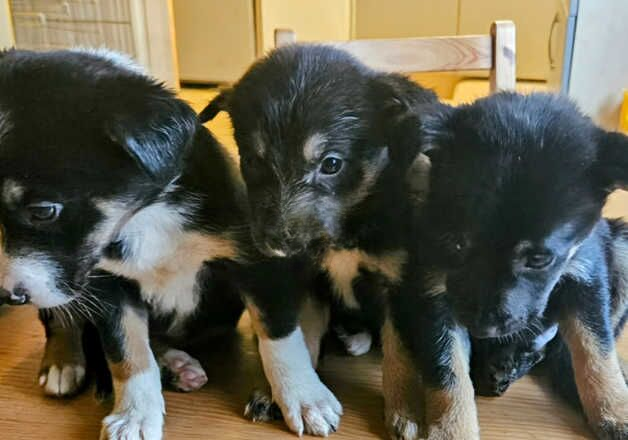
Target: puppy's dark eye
331	165
44	212
539	260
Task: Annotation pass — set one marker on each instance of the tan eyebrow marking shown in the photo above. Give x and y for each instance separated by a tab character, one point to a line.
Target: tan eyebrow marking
312	146
12	192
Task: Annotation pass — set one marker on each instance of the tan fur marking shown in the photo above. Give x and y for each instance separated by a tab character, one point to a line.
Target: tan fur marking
436	284
314	319
256	320
451	413
401	382
371	171
599	378
137	352
344	265
313	146
12	192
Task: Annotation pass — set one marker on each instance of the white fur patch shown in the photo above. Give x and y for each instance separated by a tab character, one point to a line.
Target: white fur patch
62	380
161	256
306	403
343	266
580	268
541	340
37	273
119	59
139	410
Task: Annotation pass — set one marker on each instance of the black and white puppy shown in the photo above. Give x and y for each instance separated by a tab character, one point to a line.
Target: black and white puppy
513	217
116	205
317	133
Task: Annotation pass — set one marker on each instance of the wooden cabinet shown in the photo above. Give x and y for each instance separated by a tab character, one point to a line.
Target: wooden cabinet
215	39
313	20
405	18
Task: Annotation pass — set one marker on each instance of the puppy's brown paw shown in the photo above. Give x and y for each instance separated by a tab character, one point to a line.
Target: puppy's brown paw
261	408
63	380
401	427
182	371
62	370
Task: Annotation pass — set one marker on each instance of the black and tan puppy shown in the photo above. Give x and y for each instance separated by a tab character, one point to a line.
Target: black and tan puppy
317	133
117	208
513	217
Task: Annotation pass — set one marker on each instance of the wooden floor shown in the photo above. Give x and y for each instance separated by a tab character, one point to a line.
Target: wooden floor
527	411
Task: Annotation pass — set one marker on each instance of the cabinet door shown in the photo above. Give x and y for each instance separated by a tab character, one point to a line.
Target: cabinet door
215	39
533	19
312	20
404	18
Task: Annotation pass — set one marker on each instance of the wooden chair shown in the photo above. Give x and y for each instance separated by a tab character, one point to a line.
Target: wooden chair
494	52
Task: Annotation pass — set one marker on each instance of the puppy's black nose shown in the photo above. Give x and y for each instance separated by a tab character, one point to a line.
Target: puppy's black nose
18	297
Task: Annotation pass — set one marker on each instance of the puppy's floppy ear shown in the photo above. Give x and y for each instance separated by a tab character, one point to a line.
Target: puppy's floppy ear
156	132
219	104
612	161
401	105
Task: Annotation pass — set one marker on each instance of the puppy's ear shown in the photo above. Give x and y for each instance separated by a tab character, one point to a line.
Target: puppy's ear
219	104
402	106
612	162
157	133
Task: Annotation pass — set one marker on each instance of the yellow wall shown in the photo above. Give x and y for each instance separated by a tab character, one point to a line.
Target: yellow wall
6	29
313	20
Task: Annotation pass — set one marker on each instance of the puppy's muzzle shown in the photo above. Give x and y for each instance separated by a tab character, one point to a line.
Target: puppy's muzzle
18	297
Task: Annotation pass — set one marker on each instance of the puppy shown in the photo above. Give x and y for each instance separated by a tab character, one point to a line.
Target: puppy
118	208
514	232
325	169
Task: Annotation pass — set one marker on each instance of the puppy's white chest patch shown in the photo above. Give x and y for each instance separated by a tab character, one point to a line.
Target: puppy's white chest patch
170	283
343	267
164	258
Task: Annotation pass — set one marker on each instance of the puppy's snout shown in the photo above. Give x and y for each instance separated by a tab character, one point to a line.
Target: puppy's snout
18	297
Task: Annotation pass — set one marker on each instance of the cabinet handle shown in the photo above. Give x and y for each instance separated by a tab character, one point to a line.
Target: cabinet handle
550	42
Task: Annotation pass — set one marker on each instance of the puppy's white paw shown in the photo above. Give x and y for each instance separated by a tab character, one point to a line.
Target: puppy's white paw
312	409
357	344
132	425
401	427
183	371
62	380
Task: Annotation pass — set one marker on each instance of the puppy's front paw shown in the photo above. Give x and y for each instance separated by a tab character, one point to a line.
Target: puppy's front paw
312	409
401	427
62	380
182	371
132	425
